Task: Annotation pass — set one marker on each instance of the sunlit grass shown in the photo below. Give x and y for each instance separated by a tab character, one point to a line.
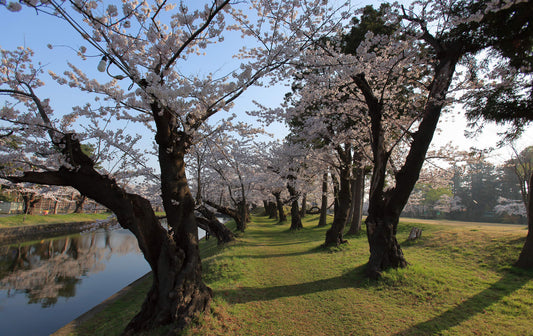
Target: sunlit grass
27	220
272	281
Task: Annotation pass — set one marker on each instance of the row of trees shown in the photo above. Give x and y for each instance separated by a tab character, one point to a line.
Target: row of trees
379	90
367	96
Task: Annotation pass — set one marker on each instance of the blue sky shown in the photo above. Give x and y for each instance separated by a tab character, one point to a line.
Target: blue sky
25	28
37	31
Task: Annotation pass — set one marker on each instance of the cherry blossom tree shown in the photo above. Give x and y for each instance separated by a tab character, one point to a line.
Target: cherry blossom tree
441	50
232	160
272	184
402	80
292	163
317	114
149	45
510	207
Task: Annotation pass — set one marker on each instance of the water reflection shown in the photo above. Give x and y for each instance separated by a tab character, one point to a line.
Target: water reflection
64	277
52	268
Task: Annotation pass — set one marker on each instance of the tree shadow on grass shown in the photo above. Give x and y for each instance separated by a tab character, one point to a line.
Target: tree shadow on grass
511	281
351	279
317	249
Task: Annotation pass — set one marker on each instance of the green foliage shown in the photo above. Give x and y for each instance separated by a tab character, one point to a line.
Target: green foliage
430	194
477	188
509	32
371	20
6	197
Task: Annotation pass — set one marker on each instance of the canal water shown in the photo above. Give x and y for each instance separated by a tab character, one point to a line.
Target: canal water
46	284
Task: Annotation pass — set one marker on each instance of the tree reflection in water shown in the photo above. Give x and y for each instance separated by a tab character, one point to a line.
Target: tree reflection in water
52	268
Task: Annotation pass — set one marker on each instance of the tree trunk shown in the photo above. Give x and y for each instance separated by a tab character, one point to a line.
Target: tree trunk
175	295
56	206
80	201
296	221
385	207
244	210
303	210
29	201
336	189
244	215
25	205
279	204
272	210
334	236
352	203
179	293
212	225
324	205
525	260
385	251
358	186
265	206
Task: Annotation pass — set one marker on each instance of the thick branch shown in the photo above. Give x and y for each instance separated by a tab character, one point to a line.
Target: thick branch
49	178
426	36
211	224
223	210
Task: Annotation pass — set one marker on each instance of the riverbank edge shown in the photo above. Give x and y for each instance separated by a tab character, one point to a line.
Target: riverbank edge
70	328
43	231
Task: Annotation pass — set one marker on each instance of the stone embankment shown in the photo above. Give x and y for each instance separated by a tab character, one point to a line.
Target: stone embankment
24	233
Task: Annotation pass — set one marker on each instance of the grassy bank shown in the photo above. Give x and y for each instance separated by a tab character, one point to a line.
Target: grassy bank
21	220
276	282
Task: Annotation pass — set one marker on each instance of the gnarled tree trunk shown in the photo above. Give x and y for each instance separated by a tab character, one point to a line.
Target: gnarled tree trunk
385	207
175	296
235	214
212	225
80	201
178	293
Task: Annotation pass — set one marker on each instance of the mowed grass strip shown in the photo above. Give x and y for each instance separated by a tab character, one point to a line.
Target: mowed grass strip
272	281
28	220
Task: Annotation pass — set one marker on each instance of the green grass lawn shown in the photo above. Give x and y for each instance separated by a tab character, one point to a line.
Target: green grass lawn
275	282
21	220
